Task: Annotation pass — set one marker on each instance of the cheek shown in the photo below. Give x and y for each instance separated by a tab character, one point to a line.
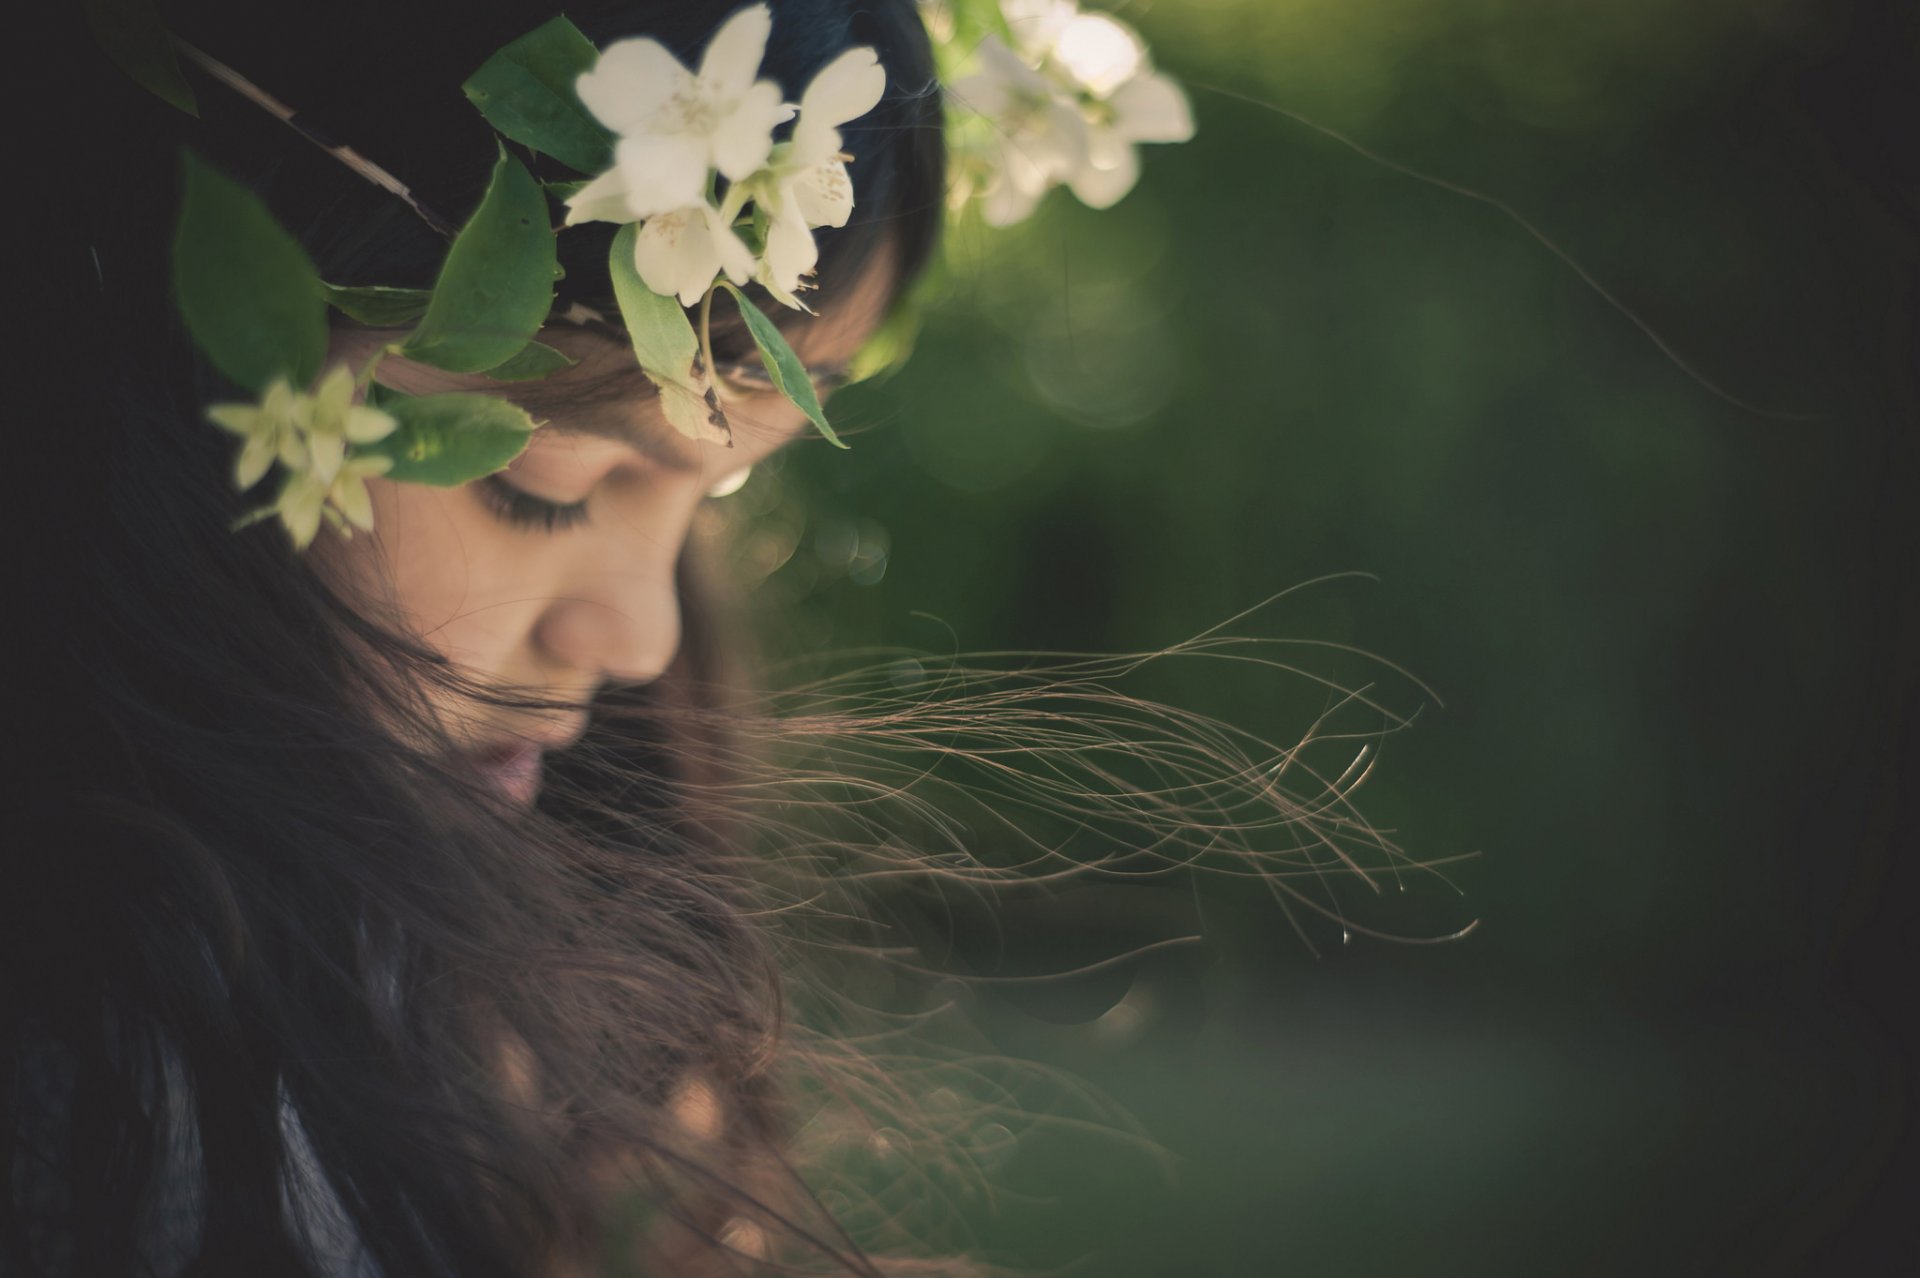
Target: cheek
444	570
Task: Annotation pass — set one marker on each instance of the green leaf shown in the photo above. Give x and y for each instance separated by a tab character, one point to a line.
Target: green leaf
564	191
789	375
664	344
248	293
378	305
534	362
496	286
132	36
526	91
444	440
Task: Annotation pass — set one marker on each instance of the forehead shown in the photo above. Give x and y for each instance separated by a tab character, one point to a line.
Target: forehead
605	394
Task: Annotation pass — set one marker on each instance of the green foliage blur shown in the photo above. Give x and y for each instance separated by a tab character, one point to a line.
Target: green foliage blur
1664	630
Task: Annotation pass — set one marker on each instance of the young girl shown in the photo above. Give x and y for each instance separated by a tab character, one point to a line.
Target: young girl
361	927
382	902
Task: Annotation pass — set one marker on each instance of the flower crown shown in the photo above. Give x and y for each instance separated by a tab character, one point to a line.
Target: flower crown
685	161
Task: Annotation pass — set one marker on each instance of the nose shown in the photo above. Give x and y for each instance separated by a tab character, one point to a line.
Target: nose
620	623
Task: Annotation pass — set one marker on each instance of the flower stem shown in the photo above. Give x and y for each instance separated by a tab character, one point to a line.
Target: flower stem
364	378
706	329
287	115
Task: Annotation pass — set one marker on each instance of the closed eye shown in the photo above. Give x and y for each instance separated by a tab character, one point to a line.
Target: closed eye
522	509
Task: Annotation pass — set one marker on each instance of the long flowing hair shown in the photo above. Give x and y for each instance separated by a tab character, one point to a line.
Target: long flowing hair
281	986
277	983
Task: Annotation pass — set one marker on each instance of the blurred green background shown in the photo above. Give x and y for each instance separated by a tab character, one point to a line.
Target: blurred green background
1669	634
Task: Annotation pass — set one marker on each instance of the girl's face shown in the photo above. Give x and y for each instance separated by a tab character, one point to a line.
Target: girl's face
558	574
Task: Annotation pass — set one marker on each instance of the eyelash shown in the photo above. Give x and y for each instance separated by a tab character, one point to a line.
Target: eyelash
524	510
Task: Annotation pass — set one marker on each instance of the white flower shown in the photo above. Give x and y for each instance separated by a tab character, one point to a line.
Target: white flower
807	183
842	91
677	130
1066	105
1039	137
676	127
271	429
791	254
1035	25
1127	102
309	434
341	496
1096	52
330	420
680	252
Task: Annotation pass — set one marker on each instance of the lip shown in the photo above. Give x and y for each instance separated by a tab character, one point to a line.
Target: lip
512	768
513	765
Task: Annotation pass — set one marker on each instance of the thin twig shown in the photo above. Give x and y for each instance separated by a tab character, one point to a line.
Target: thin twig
287	115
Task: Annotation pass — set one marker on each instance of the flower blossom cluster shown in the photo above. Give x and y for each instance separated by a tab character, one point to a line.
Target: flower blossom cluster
678	132
310	435
1065	103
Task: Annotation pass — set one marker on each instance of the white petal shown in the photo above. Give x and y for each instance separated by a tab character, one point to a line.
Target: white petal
1151	108
332	397
1005	203
981	92
1099	52
256	457
733	56
350	499
676	255
813	142
1036	24
823	194
244	420
331	402
1100	188
280	401
845	89
743	138
602	200
662	172
1002	63
735	258
791	251
325	451
1106	149
1060	147
630	82
1016	167
299	508
366	425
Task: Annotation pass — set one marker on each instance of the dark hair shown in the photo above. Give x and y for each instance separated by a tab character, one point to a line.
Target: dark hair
272	981
277	979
